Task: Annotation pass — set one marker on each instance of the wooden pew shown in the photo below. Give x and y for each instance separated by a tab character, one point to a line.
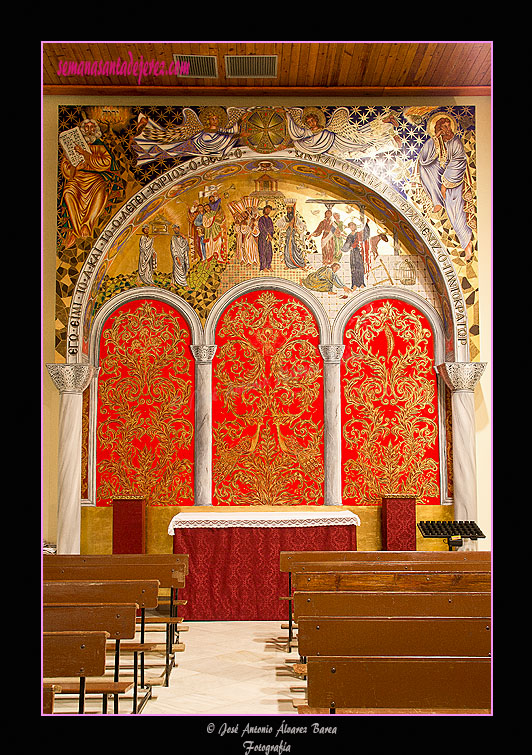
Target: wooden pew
134	558
294	561
442	630
142	592
74	654
170	575
118	619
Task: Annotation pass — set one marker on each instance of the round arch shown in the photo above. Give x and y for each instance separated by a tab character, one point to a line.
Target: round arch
146	292
268	284
392	292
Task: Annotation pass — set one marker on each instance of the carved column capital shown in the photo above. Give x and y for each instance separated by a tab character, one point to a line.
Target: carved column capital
461	376
71	378
203	354
332	352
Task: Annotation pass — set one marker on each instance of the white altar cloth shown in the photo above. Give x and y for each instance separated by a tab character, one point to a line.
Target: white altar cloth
263	519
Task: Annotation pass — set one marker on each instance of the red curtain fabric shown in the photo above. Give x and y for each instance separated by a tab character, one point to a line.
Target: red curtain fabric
145	420
390	422
234	572
267	404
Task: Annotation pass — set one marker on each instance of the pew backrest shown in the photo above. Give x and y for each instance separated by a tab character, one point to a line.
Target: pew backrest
426	581
120	558
118	619
398	683
340	603
168	575
288	558
143	592
410	566
394	636
74	654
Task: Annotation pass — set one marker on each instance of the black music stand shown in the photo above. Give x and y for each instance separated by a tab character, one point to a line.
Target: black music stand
454	532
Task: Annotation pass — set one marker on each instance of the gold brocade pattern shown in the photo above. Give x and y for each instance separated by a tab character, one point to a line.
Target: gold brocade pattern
390	430
268	421
145	409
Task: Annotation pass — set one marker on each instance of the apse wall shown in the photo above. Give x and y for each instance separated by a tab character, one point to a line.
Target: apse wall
267	374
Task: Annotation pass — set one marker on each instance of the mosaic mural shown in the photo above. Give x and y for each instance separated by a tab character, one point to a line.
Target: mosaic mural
238	219
196	200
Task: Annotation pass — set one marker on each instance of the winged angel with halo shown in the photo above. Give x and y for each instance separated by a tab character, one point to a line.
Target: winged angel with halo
311	133
213	131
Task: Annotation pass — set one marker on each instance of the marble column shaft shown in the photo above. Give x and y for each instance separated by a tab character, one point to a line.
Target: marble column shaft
332	455
461	378
71	380
203	425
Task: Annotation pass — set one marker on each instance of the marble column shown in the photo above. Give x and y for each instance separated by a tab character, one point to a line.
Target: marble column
203	425
332	457
70	380
461	378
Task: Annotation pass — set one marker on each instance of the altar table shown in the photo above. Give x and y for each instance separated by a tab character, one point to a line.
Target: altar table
234	572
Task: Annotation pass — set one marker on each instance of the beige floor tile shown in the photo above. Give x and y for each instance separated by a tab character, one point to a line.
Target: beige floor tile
229	668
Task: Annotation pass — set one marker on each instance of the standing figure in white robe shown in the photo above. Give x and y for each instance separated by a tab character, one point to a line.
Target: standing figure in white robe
181	263
147	257
249	229
442	169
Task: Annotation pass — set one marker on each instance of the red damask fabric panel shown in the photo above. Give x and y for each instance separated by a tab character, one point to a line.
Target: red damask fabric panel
398	524
390	425
234	572
129	526
267	404
145	414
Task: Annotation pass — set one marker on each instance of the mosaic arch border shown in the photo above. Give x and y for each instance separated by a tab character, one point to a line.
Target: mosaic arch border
182	175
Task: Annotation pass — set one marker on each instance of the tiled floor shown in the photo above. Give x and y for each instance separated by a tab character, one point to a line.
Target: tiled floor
230	667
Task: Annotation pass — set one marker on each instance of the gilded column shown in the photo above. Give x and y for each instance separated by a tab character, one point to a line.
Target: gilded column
203	425
461	378
70	380
332	457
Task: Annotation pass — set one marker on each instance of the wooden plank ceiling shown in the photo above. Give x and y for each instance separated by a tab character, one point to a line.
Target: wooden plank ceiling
317	68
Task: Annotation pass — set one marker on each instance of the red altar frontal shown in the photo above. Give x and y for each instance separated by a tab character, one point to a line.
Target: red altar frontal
234	572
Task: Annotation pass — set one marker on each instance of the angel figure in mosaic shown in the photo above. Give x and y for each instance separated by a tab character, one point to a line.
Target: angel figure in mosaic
214	131
311	133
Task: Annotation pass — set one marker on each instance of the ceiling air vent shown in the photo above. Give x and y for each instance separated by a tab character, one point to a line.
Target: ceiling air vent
251	66
196	66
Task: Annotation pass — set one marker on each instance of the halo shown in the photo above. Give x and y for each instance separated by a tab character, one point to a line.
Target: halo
216	110
431	123
320	115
